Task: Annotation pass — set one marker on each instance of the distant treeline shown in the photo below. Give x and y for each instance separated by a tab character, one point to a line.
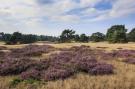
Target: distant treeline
19	38
115	34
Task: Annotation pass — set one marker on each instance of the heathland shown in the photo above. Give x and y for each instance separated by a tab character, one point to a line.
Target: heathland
90	65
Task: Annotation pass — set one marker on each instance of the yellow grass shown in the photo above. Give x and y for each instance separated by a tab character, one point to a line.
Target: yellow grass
124	77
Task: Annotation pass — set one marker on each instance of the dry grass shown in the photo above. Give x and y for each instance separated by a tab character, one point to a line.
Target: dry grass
124	77
95	45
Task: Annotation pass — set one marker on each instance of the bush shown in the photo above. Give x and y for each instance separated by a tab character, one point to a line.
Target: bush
101	69
15	82
30	74
53	73
14	66
130	60
31	50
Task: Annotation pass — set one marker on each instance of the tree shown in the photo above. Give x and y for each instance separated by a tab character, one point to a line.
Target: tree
67	35
15	38
48	38
131	35
1	36
77	38
84	38
29	38
6	37
97	37
117	34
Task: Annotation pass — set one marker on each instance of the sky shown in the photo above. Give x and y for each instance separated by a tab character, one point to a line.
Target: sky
51	17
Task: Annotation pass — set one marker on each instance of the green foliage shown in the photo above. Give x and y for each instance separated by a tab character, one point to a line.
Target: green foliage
31	81
117	34
67	36
6	37
131	35
28	38
97	37
77	38
84	38
1	36
15	82
48	38
15	38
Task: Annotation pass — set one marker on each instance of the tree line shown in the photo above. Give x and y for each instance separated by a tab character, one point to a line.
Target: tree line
19	38
115	34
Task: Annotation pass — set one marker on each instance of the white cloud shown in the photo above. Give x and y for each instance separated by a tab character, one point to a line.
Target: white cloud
29	13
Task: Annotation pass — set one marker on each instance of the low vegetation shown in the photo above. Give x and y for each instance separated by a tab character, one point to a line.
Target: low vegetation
61	66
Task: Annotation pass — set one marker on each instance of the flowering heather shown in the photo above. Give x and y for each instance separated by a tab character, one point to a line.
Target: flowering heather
130	60
124	53
2	55
54	73
101	69
12	66
57	66
31	50
30	74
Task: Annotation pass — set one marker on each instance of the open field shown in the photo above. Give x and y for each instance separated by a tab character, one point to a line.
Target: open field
108	46
122	78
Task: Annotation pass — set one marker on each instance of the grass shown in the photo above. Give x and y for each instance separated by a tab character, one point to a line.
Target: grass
123	78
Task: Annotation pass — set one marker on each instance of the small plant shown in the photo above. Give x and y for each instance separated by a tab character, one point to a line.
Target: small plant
130	60
15	82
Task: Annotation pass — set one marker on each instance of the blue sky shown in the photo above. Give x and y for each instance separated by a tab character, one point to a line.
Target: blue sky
51	17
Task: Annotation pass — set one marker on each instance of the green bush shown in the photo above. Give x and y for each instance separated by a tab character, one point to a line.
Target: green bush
15	82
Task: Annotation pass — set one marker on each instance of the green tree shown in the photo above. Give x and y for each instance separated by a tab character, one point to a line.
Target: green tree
84	38
29	38
1	36
117	34
67	35
97	37
77	38
15	38
131	35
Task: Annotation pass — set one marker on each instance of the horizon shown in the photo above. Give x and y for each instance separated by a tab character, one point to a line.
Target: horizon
83	16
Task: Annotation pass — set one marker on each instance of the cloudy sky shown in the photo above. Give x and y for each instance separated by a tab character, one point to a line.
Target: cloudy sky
52	16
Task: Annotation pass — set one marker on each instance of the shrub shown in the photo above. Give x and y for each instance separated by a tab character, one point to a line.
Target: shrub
101	69
14	66
30	74
15	82
124	53
31	50
130	60
55	73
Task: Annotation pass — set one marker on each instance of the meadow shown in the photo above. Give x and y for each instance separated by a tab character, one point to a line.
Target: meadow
67	66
